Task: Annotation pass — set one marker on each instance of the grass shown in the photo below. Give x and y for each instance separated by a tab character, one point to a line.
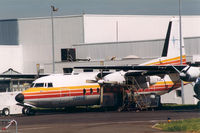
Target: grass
188	125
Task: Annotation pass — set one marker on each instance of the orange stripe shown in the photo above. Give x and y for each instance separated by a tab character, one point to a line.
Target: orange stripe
38	90
53	92
168	60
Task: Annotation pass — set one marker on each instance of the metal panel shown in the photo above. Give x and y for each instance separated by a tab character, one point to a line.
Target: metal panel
111	28
192	46
35	36
142	49
9	32
105	51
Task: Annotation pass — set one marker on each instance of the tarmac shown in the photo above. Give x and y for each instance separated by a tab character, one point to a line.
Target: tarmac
99	122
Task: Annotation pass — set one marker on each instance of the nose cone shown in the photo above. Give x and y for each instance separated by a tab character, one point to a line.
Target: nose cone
19	98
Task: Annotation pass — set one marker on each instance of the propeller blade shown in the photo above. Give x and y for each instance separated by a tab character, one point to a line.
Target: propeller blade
187	69
107	82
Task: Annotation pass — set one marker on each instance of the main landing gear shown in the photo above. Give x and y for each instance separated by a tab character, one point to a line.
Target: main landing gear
28	111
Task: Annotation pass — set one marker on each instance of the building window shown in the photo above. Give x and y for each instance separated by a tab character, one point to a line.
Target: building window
67	70
4	86
68	54
178	93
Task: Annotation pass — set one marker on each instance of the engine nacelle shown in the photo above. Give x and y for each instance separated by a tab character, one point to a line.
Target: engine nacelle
153	79
191	74
116	77
197	89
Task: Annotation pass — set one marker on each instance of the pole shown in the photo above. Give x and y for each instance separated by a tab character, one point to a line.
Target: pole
181	58
52	30
117	31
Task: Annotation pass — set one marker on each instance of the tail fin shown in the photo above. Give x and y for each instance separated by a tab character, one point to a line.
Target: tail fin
171	49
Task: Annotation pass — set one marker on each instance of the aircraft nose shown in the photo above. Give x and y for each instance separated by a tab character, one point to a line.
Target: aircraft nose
19	98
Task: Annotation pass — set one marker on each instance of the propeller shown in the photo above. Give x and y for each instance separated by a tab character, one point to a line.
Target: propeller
99	78
190	73
197	89
184	75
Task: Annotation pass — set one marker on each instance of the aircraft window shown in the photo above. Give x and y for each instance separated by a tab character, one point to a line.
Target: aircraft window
84	91
178	93
91	91
50	85
39	85
98	90
32	85
87	70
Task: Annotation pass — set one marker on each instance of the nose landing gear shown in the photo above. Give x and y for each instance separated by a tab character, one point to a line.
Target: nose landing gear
28	111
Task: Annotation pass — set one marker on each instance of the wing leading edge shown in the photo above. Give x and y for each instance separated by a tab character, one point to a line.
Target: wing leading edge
126	68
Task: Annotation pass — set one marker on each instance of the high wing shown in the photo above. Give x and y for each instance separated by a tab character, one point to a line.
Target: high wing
144	70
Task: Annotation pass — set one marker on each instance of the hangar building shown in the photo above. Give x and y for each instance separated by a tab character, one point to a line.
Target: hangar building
84	40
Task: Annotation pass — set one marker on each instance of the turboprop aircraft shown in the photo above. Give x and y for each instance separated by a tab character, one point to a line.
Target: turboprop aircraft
132	86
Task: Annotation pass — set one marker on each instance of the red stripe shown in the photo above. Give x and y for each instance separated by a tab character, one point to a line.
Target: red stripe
58	95
177	62
165	87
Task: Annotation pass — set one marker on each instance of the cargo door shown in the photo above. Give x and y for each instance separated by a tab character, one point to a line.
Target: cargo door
65	97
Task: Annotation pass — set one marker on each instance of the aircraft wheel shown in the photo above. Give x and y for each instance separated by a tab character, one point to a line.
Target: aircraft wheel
28	111
24	110
6	111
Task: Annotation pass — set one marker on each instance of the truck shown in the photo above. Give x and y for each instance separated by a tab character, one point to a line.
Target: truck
8	104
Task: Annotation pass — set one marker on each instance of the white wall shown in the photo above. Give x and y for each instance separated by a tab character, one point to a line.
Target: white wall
11	57
111	28
36	37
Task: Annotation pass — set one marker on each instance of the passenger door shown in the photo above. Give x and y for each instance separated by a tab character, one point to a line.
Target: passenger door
65	98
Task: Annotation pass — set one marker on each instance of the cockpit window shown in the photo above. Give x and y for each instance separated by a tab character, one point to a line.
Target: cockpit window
39	85
50	85
32	85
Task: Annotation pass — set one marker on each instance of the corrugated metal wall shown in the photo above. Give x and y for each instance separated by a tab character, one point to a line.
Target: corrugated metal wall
121	49
142	49
34	35
113	28
192	46
36	38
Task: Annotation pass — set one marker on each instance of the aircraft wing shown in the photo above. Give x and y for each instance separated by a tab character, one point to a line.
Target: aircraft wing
145	73
150	69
